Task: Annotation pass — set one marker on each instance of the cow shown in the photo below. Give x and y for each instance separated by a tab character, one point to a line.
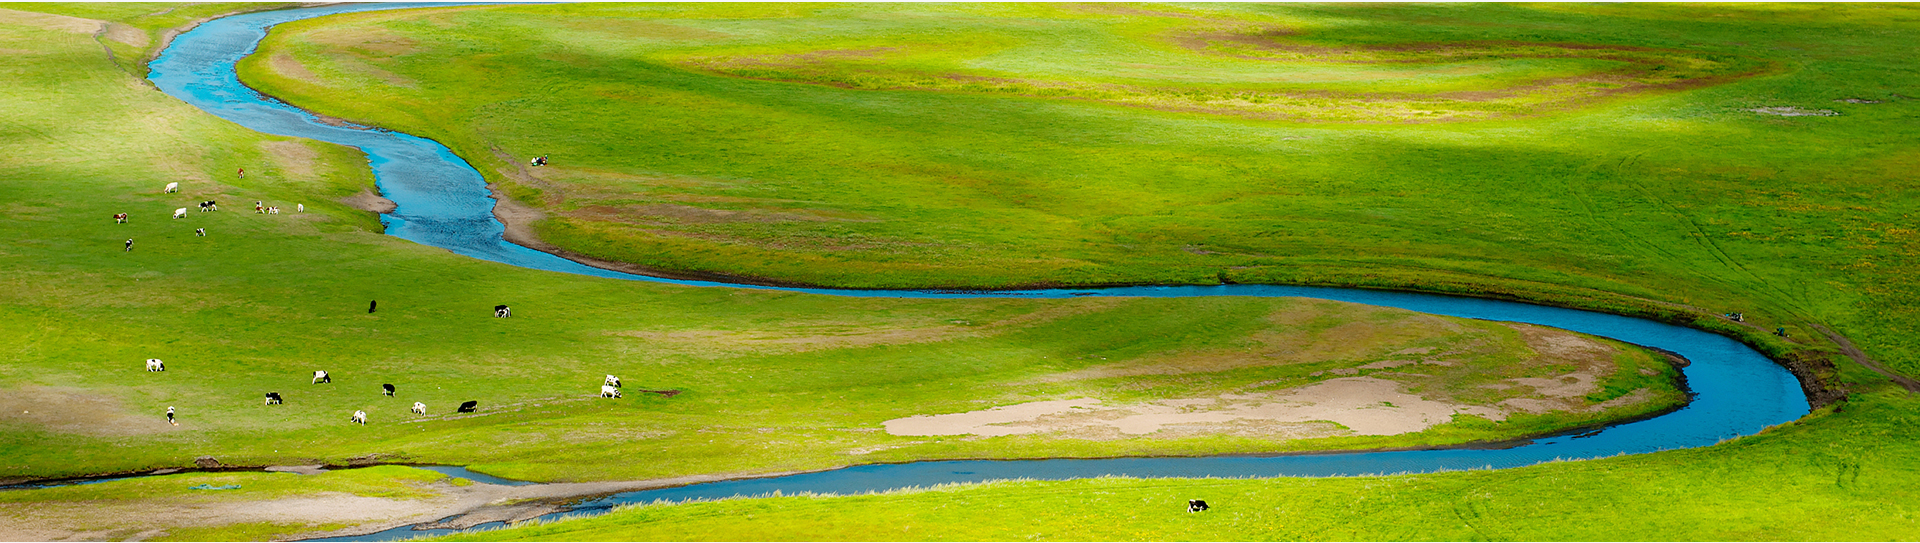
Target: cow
180	213
129	244
1195	506
258	207
502	311
300	208
321	377
273	398
120	218
388	388
419	408
608	391
210	205
273	210
613	381
170	416
172	187
154	364
468	406
360	417
202	232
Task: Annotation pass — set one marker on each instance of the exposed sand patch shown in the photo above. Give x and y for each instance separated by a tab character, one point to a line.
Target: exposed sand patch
367	200
75	411
1790	111
48	21
1364	405
285	65
294	158
127	35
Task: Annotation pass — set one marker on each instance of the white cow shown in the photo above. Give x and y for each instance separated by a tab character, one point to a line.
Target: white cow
300	208
607	391
154	364
613	381
273	210
360	417
173	187
419	408
180	213
321	377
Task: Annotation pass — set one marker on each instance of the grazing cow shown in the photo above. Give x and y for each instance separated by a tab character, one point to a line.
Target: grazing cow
419	408
258	207
129	244
607	391
211	205
180	213
273	398
613	381
173	187
274	210
300	208
120	218
468	406
202	232
371	304
502	311
154	364
388	388
360	417
321	377
1195	506
170	416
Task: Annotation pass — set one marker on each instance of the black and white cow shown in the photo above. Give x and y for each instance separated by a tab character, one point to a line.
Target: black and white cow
388	388
202	232
468	406
608	391
321	377
502	311
360	417
1195	506
154	364
613	381
419	408
273	398
170	416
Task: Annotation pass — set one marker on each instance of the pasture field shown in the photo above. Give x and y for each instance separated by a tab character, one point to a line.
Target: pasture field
1675	161
1602	156
769	381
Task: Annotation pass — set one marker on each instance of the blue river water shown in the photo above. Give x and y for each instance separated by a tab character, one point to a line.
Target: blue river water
443	202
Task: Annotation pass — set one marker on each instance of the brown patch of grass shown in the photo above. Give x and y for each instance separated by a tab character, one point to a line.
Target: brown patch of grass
75	411
294	158
48	21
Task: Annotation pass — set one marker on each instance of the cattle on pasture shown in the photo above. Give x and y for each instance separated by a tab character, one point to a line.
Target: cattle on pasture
502	311
360	417
419	408
273	398
388	388
1195	506
172	187
468	406
180	213
607	391
120	218
613	381
154	364
320	376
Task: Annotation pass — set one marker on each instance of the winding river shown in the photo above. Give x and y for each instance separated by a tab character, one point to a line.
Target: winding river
443	202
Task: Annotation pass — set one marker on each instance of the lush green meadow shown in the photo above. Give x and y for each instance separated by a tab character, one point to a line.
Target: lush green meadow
1629	158
769	381
1180	144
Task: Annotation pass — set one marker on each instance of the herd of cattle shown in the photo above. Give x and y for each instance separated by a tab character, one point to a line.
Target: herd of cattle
209	205
610	388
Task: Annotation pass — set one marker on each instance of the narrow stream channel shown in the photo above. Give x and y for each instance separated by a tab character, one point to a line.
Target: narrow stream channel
443	202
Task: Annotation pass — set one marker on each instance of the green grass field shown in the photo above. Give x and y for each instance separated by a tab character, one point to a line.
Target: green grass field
1507	150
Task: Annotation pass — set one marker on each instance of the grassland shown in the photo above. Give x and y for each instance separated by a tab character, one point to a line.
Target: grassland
1632	202
771	381
1529	151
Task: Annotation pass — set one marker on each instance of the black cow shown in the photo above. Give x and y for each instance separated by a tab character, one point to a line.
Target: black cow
502	311
388	388
1195	506
468	406
273	398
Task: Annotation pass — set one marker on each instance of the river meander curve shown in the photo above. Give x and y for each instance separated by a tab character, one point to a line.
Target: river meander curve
443	202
